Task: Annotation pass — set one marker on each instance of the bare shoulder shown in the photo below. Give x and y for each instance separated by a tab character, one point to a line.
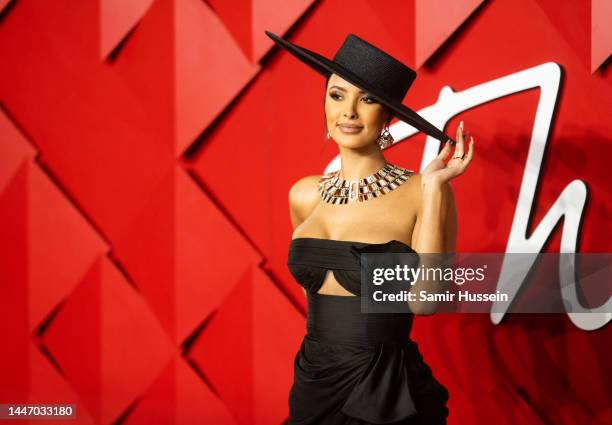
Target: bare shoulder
303	197
412	194
412	188
304	191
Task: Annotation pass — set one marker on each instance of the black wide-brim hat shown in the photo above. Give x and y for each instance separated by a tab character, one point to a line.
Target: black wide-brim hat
371	69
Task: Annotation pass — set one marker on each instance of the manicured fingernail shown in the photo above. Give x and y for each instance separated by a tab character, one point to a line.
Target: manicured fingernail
461	125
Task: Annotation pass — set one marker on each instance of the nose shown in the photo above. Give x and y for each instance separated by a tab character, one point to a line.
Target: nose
350	113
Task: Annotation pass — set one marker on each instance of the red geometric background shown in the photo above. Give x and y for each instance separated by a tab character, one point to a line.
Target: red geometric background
146	152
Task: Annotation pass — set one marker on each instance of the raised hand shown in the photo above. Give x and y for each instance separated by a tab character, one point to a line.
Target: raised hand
439	171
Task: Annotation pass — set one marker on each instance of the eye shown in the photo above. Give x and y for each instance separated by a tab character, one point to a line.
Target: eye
369	99
335	95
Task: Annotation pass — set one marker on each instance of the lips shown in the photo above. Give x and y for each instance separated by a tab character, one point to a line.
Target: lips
350	128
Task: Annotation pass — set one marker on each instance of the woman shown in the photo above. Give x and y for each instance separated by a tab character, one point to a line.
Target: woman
355	368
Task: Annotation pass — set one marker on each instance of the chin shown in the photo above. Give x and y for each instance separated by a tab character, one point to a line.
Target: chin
352	144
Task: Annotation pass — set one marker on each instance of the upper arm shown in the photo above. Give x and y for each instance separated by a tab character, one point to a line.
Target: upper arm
417	200
450	220
303	197
449	216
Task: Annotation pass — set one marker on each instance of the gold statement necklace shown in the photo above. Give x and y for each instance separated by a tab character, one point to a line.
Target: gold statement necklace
336	190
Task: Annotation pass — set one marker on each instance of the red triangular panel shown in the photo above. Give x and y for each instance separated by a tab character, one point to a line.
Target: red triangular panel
436	21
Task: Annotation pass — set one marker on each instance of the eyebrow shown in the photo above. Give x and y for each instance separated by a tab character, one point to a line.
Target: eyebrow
343	89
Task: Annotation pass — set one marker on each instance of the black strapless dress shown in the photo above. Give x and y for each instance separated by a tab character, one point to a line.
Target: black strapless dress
354	368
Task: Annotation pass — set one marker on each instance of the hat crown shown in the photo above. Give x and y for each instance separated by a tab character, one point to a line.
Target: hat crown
368	67
375	66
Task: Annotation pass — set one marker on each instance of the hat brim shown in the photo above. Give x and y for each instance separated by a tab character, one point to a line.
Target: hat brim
326	67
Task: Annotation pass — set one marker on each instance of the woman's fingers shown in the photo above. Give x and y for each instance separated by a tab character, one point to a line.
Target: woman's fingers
455	166
470	153
468	158
444	154
459	146
444	151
